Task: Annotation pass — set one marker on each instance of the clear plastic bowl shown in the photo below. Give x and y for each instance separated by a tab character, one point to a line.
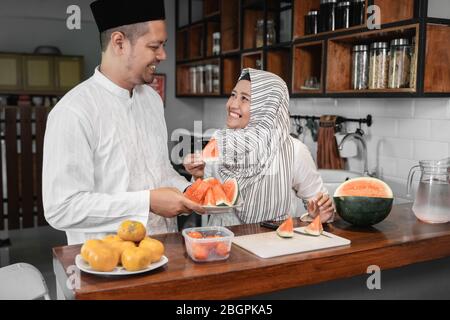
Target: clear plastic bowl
214	245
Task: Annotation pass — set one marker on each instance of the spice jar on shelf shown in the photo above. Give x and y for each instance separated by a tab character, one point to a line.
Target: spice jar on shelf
343	15
328	15
193	79
413	72
216	79
200	79
357	12
209	78
216	44
259	39
312	22
360	67
379	65
271	34
399	64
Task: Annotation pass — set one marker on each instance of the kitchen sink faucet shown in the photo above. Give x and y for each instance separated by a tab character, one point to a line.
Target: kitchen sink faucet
358	135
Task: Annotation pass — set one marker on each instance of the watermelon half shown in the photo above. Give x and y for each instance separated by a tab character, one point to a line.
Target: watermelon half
363	201
286	229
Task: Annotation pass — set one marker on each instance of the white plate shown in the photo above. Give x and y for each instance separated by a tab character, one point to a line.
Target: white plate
118	271
223	209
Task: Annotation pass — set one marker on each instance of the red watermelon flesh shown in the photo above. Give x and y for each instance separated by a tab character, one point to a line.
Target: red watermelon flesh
220	196
230	187
188	193
210	151
199	194
315	227
209	198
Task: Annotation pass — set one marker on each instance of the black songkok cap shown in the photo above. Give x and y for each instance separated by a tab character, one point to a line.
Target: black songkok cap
115	13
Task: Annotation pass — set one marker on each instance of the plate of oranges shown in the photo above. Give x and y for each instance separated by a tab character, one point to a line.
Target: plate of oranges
128	252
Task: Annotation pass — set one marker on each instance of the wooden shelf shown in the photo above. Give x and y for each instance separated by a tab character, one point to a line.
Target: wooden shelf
182	44
437	59
231	72
211	8
252	60
184	81
308	62
394	11
230	38
196	45
339	58
211	27
276	63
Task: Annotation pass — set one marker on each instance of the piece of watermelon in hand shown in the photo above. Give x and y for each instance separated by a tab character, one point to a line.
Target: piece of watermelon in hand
315	227
286	229
210	151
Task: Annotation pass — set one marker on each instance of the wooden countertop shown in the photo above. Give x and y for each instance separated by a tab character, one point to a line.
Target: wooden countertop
397	241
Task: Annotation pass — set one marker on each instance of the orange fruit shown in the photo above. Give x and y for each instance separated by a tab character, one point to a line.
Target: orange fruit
131	231
195	234
199	251
222	249
154	246
103	258
87	248
112	237
135	259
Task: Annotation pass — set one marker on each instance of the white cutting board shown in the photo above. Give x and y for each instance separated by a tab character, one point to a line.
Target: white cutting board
269	244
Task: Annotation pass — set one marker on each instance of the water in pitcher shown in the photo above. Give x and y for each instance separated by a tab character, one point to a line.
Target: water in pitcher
432	201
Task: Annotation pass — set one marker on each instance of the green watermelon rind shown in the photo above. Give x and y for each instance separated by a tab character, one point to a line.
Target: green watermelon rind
363	211
236	193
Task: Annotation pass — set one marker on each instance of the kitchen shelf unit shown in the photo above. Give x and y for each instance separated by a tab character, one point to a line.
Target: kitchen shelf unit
326	55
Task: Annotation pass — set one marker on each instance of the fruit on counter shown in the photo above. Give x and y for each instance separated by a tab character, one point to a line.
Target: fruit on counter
204	250
87	248
131	231
195	234
222	249
315	228
363	201
120	246
137	258
211	192
103	258
155	247
200	251
230	187
286	229
112	237
210	151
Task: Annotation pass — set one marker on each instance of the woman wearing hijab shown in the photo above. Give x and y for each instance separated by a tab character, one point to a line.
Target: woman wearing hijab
273	170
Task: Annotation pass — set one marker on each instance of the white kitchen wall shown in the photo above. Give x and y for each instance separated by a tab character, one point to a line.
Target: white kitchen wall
403	130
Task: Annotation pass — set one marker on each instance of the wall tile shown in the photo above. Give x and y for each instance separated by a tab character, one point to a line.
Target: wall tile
432	108
396	148
414	128
383	127
440	130
430	150
398	108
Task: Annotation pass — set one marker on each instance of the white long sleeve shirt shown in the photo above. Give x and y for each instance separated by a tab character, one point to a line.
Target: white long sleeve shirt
103	152
306	184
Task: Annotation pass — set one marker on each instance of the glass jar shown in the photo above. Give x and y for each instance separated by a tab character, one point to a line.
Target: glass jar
413	72
209	78
312	22
193	79
200	79
357	12
216	79
328	15
379	65
271	34
399	64
360	67
259	39
343	15
216	44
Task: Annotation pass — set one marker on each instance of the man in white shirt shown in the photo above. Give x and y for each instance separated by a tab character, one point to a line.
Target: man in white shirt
105	150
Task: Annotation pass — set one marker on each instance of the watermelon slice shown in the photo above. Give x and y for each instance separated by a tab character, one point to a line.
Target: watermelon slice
209	198
220	196
315	227
286	229
188	193
210	152
200	192
231	189
212	181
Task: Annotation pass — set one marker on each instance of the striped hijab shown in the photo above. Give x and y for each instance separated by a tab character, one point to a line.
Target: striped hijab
260	156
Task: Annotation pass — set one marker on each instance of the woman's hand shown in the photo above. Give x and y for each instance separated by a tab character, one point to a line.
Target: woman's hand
321	204
194	164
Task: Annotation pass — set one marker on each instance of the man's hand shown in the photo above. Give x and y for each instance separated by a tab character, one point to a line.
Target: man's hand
170	202
194	164
321	204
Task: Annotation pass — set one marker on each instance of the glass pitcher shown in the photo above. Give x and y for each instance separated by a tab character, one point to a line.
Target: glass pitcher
432	202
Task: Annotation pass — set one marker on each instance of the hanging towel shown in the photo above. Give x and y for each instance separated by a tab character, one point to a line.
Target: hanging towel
327	150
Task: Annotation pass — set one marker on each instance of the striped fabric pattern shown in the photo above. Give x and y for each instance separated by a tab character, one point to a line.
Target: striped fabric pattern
260	156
